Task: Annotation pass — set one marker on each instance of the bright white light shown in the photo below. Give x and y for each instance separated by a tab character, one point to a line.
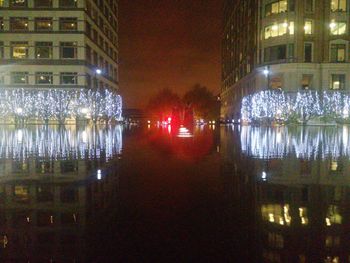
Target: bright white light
84	110
98	71
19	110
266	72
332	25
99	174
264	176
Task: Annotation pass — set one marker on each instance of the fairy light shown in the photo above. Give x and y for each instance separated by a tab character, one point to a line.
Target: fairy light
302	106
60	104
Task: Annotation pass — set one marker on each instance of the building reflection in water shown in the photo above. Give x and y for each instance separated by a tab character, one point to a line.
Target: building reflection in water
52	181
297	181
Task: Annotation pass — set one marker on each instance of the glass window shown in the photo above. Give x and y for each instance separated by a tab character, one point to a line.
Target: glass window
337	28
280	29
338	53
275	53
338	5
308	27
68	3
338	82
43	3
307	52
19	77
68	49
2	3
18	3
291	51
69	78
276	7
43	23
68	24
21	193
19	23
44	193
43	50
1	49
309	5
306	82
43	78
19	50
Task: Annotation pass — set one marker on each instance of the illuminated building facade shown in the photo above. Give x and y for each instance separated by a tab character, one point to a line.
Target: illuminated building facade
59	44
289	45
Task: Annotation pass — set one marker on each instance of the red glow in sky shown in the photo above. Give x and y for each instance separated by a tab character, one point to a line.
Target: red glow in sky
168	43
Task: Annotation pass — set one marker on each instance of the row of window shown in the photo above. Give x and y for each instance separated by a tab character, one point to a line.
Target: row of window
43	50
39	3
283	52
40	24
46	78
281	6
67	50
280	29
45	24
49	78
337	82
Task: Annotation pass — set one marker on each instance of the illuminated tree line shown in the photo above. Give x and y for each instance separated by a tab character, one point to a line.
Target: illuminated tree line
60	104
269	106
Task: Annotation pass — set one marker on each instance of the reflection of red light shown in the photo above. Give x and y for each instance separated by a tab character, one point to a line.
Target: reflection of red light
169	119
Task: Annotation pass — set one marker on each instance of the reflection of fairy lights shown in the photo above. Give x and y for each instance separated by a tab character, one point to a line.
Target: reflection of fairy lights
184	133
307	142
60	143
99	175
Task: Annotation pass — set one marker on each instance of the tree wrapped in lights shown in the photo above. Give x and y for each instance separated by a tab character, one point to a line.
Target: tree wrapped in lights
59	104
302	106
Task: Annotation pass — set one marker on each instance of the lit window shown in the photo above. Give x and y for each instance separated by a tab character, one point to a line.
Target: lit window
43	50
338	52
69	78
18	3
43	78
338	82
276	7
2	3
338	5
333	215
337	28
21	193
19	50
19	77
43	23
308	27
280	29
68	24
19	23
68	50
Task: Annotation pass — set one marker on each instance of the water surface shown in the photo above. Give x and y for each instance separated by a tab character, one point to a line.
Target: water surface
164	194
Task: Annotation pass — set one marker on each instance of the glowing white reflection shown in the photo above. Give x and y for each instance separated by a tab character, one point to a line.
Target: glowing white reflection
60	143
303	142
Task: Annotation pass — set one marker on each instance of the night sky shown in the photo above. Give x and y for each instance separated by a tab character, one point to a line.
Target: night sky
168	43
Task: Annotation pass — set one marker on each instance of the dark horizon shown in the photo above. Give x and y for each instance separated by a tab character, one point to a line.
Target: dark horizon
168	44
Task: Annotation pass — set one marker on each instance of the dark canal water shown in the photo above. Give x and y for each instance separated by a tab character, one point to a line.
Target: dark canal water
150	194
